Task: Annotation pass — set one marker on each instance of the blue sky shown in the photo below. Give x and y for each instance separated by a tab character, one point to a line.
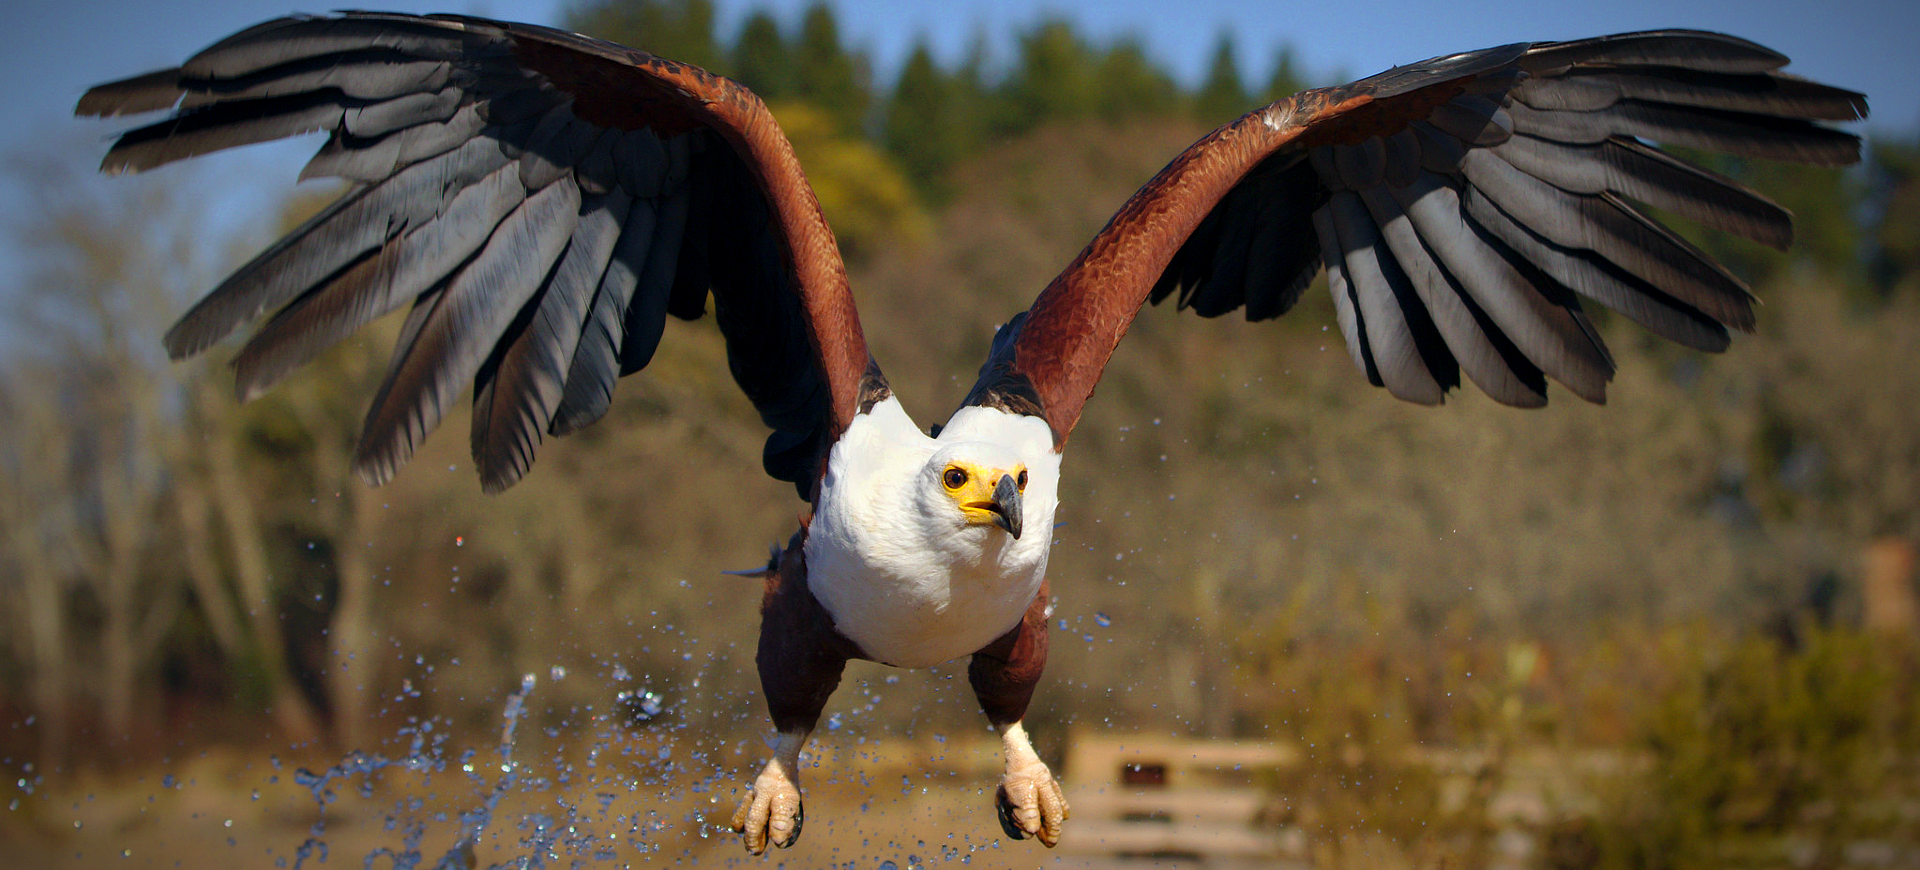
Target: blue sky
53	50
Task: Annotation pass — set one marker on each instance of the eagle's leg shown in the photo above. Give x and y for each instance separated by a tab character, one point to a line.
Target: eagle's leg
1003	674
800	661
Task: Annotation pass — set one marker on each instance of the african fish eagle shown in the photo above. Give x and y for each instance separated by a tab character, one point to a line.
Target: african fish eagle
544	199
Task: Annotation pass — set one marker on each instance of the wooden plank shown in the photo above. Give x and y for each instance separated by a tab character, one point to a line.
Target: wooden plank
1239	805
1099	759
1149	838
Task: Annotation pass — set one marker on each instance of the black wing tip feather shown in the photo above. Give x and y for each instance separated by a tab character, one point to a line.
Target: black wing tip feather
149	92
1669	47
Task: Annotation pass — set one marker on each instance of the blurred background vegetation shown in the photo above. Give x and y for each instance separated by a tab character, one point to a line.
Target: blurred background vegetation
1712	579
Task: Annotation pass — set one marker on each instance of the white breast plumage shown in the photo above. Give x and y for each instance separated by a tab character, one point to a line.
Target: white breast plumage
909	585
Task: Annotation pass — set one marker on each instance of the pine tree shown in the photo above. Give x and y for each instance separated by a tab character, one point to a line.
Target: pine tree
827	75
924	128
1893	240
681	30
1222	96
1055	79
762	59
1286	79
1130	85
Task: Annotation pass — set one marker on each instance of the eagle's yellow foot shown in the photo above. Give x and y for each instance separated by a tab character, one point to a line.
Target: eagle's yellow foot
1029	800
771	813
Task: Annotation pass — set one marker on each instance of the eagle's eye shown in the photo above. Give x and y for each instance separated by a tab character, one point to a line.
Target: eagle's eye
1022	481
954	477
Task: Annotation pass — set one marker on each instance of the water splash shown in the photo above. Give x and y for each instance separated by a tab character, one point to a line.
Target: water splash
426	755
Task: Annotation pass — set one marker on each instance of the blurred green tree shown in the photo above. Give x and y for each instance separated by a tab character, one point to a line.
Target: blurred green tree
926	124
866	199
762	59
1893	198
680	30
1223	95
1130	85
1286	79
1053	80
827	75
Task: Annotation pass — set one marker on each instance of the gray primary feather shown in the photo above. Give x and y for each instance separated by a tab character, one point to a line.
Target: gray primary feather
206	129
1681	49
519	392
653	285
1769	94
1643	173
1443	299
1345	309
457	336
299	38
355	224
1594	277
588	390
406	266
365	75
1614	230
1377	286
149	92
1738	133
1536	327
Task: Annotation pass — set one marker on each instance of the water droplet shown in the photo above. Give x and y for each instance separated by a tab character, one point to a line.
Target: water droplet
1101	619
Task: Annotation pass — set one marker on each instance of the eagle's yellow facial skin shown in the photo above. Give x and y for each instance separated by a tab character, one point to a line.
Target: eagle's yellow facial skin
971	488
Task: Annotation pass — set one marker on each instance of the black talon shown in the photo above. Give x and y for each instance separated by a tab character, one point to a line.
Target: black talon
799	821
1005	805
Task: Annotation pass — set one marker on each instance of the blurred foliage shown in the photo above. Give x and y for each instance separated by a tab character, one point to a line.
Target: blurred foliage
867	201
1893	178
829	76
678	29
1424	600
1223	95
1695	745
926	124
762	59
1286	79
1758	750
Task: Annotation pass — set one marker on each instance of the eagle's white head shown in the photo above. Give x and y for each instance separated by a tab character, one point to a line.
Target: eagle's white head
975	483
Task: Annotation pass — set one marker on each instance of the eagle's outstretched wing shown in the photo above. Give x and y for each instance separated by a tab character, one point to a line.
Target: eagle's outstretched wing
1461	206
542	199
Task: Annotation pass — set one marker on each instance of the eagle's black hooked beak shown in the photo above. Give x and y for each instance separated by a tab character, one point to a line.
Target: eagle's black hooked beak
1006	505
